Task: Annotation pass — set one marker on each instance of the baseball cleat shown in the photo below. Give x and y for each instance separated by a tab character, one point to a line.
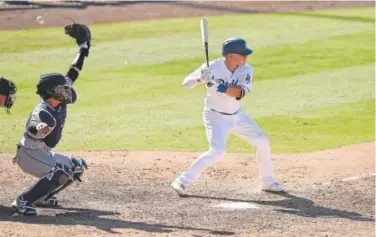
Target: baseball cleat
271	185
51	202
179	187
23	207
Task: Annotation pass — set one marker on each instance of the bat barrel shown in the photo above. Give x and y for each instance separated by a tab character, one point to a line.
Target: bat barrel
205	38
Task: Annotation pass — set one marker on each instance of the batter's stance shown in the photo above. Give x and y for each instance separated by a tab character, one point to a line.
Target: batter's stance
227	81
44	130
8	92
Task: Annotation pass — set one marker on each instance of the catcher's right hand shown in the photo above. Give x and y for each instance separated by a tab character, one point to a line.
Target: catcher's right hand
80	32
43	129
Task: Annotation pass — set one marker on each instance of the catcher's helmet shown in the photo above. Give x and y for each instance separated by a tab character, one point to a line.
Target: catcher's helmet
235	46
55	85
8	89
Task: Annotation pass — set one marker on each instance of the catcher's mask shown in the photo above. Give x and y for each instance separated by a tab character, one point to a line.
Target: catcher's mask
56	86
9	89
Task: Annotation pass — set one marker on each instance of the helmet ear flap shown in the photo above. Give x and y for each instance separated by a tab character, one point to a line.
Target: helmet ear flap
41	90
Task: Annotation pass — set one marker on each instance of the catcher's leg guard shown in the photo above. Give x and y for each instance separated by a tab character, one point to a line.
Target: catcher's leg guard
59	176
79	166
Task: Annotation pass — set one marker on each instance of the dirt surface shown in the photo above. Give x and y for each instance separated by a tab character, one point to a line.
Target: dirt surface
21	16
330	193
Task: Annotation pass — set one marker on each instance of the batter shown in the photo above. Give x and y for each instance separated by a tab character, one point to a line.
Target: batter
228	80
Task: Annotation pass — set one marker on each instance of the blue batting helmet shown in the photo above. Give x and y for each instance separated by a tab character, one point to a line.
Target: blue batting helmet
235	46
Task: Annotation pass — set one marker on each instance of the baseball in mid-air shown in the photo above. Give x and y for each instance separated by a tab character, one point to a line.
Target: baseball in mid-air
40	20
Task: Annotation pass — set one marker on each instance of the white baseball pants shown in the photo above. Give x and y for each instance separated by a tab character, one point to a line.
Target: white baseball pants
218	126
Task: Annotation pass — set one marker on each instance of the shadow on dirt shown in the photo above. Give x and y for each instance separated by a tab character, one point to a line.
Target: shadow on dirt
95	218
298	206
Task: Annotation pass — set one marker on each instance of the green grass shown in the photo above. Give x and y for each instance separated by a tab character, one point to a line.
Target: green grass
318	128
311	56
313	86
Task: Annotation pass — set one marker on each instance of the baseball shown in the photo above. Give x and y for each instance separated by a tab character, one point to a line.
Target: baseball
40	19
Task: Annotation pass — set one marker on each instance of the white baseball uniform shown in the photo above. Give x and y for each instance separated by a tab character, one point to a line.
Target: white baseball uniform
223	114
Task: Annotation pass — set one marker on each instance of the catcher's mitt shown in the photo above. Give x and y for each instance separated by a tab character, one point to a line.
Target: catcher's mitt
80	32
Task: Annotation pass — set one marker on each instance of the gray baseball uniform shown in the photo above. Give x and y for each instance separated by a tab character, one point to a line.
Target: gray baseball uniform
34	156
43	132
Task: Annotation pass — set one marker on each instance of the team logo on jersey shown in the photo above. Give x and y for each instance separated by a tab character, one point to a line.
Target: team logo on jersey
232	83
248	78
220	81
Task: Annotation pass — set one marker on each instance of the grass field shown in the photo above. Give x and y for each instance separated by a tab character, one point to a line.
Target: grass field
313	83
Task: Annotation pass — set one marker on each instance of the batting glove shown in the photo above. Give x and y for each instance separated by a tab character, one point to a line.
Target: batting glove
222	88
206	75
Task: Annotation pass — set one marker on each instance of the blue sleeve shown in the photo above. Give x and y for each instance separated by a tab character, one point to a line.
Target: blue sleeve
77	65
37	117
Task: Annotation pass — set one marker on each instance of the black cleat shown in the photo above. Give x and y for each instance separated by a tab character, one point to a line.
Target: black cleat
23	207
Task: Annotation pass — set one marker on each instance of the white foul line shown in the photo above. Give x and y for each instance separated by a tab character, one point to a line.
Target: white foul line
362	176
237	205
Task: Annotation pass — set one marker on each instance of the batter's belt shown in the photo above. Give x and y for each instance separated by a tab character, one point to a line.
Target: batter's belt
225	113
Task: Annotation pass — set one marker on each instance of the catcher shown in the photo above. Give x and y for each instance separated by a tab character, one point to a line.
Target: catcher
44	130
7	94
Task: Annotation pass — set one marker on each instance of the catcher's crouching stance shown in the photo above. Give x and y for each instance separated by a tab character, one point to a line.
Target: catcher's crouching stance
44	130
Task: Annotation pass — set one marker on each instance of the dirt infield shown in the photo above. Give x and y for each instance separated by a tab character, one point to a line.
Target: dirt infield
25	16
330	193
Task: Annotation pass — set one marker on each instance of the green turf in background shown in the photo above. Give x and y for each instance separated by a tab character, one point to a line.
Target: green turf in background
313	84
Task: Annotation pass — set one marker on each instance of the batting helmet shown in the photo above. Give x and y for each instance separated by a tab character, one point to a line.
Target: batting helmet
55	85
8	89
235	46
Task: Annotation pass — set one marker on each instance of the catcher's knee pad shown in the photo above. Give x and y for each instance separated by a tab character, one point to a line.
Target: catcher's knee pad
79	166
60	174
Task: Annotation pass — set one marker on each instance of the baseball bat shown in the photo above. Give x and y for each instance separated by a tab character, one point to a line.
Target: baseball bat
205	38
